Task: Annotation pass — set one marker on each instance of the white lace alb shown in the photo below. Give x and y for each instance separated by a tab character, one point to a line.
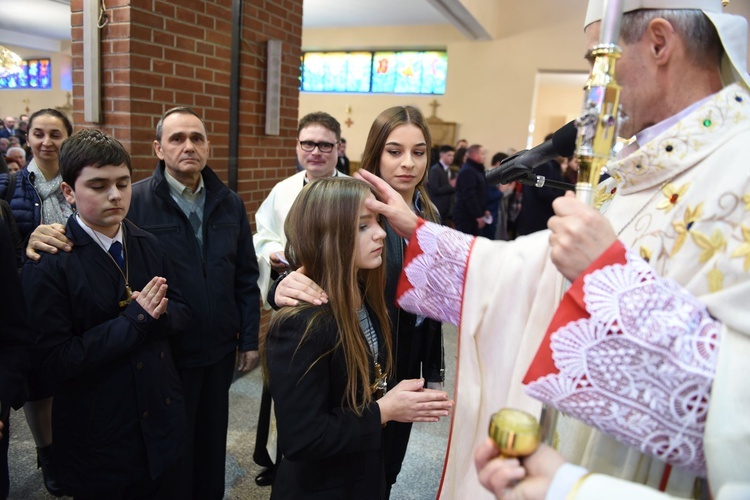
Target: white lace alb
641	367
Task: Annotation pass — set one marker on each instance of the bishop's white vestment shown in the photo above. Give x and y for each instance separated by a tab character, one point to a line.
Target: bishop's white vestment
670	311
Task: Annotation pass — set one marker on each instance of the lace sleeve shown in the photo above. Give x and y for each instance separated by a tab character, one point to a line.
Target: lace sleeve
434	274
640	368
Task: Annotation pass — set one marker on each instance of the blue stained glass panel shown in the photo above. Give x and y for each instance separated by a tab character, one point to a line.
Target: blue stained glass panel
359	72
384	72
398	72
34	74
434	73
336	71
335	66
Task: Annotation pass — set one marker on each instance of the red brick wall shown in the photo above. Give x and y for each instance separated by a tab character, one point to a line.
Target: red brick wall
157	54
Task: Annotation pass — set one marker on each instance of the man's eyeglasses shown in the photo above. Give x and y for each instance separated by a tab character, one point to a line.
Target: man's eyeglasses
323	147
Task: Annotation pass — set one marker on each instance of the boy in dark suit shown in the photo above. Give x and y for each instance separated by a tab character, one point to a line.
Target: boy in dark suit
118	416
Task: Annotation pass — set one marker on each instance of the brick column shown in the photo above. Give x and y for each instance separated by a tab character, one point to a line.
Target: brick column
157	54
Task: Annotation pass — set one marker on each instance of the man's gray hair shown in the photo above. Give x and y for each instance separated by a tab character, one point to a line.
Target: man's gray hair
696	30
180	110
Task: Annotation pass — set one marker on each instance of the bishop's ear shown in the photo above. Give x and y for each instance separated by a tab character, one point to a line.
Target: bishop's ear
662	38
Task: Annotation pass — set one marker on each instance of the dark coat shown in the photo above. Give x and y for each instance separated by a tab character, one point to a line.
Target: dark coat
118	416
440	189
15	345
536	203
343	165
220	282
16	338
471	197
420	348
418	351
15	236
329	452
494	198
25	203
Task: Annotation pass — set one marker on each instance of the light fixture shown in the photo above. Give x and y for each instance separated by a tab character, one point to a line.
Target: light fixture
10	62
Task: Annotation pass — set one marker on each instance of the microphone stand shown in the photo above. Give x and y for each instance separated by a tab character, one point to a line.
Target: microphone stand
529	178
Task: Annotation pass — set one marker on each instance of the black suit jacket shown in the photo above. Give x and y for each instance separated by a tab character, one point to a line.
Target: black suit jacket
440	190
118	416
471	197
329	452
343	165
536	203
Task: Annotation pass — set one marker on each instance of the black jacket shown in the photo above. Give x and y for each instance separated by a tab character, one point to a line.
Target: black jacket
118	415
15	335
329	452
536	203
417	350
220	284
440	189
471	197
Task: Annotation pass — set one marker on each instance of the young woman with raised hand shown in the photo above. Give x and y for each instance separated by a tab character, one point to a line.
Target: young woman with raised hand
328	365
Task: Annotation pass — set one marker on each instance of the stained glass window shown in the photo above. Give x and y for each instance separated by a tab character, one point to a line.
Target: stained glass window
396	72
34	74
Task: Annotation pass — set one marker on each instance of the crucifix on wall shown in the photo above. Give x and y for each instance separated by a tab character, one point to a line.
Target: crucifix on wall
442	132
434	105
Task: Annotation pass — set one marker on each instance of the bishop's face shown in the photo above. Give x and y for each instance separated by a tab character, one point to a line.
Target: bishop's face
640	97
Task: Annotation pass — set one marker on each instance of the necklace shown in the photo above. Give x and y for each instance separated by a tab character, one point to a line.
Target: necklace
379	386
126	274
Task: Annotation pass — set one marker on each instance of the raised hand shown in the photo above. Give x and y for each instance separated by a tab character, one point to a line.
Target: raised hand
391	205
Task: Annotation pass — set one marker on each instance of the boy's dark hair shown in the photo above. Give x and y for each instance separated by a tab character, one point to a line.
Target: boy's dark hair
320	118
446	148
90	148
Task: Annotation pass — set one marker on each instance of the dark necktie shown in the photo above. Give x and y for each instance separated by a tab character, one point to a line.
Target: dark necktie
115	250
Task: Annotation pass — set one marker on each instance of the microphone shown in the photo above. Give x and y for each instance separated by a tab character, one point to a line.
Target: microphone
518	166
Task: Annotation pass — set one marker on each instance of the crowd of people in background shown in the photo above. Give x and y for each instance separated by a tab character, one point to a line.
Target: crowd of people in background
15	152
457	186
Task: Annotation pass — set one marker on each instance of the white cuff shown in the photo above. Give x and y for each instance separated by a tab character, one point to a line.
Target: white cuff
565	478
